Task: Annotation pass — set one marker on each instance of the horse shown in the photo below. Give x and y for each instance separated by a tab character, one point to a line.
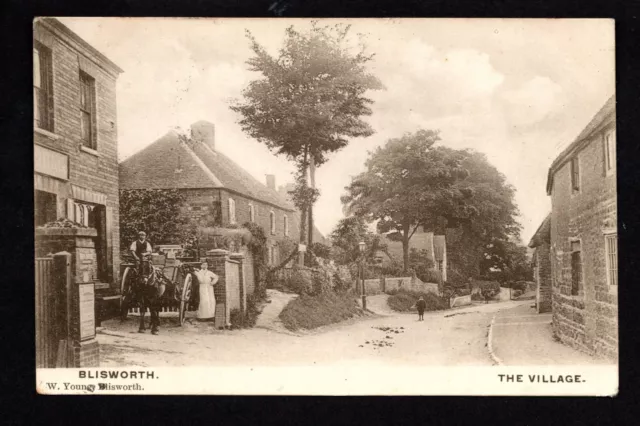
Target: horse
152	294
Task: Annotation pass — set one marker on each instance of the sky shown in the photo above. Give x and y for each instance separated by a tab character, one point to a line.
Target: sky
518	90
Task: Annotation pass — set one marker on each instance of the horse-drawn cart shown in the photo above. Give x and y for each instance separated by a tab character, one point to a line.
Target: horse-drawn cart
173	280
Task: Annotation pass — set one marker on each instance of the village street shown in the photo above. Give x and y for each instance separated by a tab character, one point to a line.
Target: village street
457	337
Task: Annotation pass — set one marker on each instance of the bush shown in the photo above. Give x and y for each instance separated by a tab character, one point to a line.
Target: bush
254	301
404	300
429	275
308	312
299	281
477	297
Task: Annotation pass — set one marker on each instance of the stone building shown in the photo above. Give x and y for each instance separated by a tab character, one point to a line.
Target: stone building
540	243
219	193
584	248
75	144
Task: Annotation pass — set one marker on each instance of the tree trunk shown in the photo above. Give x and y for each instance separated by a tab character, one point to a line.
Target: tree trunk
312	181
405	248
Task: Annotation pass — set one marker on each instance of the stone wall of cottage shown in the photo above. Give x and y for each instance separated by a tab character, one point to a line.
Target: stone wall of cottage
94	171
543	278
201	205
588	321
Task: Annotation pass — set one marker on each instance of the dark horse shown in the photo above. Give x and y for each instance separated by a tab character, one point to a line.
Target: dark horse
152	294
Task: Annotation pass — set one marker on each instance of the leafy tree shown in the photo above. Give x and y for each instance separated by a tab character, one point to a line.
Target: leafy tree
495	219
155	211
409	183
506	261
308	102
346	237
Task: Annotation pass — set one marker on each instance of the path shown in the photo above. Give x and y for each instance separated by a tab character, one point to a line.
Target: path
523	337
268	318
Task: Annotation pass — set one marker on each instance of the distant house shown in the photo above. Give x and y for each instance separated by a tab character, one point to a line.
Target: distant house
584	238
434	245
219	192
541	245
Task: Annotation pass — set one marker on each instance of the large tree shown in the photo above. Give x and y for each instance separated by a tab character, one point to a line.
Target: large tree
409	183
346	237
308	102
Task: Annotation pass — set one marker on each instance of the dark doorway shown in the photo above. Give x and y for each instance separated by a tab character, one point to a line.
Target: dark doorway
45	208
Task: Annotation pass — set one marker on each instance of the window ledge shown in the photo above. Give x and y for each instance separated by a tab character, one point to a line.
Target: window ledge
90	151
46	133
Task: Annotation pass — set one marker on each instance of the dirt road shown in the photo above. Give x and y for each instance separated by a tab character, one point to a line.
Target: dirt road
455	337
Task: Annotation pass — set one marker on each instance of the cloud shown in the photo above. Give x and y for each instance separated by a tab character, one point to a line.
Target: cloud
533	101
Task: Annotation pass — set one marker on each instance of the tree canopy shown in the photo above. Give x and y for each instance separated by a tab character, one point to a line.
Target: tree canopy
408	183
346	236
308	101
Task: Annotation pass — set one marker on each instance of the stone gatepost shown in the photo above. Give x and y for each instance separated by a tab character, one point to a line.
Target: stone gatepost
239	257
217	260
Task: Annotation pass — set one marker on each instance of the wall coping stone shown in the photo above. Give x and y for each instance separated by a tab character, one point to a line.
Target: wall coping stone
77	232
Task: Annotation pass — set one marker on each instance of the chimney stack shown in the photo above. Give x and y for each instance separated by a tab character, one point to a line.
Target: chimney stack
204	132
271	181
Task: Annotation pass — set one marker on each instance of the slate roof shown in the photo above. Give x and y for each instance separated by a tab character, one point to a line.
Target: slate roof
167	164
543	234
607	112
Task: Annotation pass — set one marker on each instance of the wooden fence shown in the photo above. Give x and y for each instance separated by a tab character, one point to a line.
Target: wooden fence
48	314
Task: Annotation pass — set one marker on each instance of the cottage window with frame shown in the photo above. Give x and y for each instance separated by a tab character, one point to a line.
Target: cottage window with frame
286	226
609	151
252	213
232	210
87	111
575	174
272	220
42	88
611	250
576	269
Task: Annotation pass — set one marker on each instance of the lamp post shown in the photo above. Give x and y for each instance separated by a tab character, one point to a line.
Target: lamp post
362	246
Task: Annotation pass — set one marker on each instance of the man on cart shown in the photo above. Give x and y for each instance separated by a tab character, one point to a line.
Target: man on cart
141	250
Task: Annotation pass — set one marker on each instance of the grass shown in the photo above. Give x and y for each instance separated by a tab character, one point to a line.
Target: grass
404	300
309	312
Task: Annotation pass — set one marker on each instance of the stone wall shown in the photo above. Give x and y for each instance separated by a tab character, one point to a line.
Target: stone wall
543	279
588	321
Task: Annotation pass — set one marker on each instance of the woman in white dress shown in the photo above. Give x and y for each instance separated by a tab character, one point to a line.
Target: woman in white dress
206	279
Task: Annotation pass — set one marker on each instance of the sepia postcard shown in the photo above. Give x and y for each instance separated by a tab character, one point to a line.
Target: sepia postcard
325	207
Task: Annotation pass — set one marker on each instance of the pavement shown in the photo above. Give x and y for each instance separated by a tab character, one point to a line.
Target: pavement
520	336
268	318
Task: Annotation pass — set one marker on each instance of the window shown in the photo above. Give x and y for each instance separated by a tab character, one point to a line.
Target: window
44	207
81	213
272	217
87	110
575	174
611	248
609	151
440	265
286	226
576	269
232	210
42	88
252	213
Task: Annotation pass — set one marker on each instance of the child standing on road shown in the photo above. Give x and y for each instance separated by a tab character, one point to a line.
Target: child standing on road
421	305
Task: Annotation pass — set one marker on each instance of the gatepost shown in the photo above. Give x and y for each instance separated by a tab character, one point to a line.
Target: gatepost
217	260
239	257
77	316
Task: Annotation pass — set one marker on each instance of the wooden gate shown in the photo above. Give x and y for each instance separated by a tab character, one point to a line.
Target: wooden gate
47	314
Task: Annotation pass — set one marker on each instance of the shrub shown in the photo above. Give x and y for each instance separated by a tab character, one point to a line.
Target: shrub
299	281
254	301
429	275
308	312
342	279
404	300
477	297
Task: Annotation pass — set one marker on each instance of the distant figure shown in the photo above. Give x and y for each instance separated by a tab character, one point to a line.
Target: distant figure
421	305
206	279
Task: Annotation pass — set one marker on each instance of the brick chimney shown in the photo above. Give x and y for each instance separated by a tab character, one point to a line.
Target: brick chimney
205	132
271	181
